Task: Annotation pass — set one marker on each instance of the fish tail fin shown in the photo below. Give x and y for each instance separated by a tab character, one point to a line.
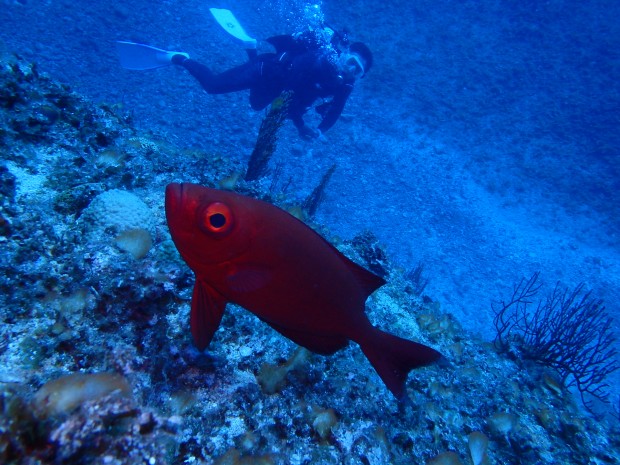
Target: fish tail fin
393	358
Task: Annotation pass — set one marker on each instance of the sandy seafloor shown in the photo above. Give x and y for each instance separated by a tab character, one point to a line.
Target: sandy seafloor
483	144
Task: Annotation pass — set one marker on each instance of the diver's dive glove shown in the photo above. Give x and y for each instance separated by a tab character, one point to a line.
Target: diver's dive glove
308	133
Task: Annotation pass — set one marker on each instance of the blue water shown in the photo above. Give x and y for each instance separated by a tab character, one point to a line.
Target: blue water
484	142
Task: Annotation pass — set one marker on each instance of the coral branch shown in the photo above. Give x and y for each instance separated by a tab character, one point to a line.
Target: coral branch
267	137
569	331
313	201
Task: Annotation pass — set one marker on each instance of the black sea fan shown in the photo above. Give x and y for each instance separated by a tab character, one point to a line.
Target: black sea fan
569	331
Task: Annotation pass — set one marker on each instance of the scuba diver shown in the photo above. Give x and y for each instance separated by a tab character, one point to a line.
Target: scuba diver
307	64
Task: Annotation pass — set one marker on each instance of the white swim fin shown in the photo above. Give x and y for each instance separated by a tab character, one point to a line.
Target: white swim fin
229	23
139	56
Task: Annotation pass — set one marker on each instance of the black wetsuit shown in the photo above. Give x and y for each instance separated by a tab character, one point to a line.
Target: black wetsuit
299	65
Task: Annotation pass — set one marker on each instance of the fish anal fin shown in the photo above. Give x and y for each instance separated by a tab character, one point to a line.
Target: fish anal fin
206	314
393	358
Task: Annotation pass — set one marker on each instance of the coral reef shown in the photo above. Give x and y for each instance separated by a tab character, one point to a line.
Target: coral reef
73	303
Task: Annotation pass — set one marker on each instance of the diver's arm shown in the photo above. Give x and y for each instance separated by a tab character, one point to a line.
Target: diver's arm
305	131
296	111
335	107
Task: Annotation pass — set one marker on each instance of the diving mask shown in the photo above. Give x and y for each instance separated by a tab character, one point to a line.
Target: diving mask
352	65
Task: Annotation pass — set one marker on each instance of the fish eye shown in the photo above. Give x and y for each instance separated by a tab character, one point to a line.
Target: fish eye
216	218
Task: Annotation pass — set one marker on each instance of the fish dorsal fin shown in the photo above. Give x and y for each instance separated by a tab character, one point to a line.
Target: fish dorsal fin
369	281
206	313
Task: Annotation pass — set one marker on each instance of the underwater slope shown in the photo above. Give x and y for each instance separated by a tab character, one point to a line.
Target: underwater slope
91	283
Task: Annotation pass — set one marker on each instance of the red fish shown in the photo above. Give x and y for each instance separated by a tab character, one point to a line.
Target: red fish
251	253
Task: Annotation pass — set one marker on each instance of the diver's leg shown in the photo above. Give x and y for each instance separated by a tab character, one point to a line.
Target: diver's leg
235	79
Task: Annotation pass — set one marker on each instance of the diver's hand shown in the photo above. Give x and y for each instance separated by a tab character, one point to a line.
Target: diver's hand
308	133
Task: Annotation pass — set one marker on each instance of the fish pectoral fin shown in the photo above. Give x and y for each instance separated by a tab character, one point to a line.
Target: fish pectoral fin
248	278
206	314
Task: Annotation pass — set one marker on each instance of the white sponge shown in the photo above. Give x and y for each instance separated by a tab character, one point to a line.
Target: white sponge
116	211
